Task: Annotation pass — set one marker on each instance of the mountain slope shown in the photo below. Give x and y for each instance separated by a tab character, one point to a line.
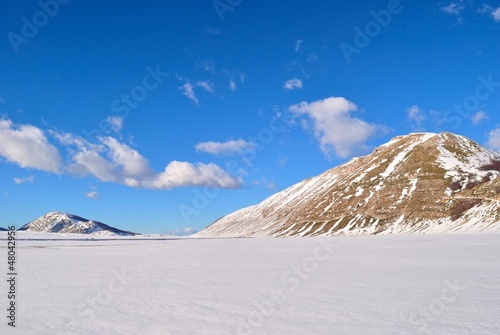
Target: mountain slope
415	183
58	222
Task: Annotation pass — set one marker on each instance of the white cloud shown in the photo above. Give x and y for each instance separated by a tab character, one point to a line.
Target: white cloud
229	148
293	84
232	85
113	161
30	179
206	65
206	85
115	122
28	147
213	30
182	232
496	14
93	195
334	126
454	8
494	139
415	114
478	117
188	91
178	174
298	45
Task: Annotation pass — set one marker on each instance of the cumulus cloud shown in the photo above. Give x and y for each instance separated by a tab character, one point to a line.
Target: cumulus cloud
229	148
333	125
30	179
494	139
93	195
293	84
478	117
114	161
178	174
28	147
494	12
108	160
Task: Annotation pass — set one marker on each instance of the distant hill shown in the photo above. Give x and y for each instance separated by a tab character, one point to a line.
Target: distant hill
422	182
59	222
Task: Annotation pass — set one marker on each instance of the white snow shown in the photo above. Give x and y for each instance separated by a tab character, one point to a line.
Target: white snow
419	284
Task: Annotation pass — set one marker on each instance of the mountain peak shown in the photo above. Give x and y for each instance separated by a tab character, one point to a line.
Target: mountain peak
62	222
414	183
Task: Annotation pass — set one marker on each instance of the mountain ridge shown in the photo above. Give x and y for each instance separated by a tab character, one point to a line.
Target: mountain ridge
62	222
421	182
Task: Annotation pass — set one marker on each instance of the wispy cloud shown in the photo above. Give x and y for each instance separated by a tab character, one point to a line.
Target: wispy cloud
2	100
453	8
30	179
206	85
232	85
333	125
417	116
229	148
477	117
93	195
298	45
28	147
115	122
293	84
207	65
188	90
213	31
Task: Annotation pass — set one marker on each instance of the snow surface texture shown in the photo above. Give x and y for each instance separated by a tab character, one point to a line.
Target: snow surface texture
419	284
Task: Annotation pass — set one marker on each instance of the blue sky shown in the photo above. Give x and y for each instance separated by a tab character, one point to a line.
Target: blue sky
156	116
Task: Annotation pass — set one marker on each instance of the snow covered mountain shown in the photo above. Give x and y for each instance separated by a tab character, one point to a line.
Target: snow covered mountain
422	182
3	229
58	222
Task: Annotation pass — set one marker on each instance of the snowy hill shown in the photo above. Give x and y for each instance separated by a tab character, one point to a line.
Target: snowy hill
58	222
3	229
422	182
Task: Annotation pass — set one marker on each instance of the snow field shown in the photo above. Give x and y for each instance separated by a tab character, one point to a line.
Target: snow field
418	284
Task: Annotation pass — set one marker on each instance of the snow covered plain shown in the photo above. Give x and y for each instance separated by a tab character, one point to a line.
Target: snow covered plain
384	285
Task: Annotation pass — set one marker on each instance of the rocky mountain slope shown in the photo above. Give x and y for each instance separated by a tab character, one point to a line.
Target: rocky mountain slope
421	182
58	222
